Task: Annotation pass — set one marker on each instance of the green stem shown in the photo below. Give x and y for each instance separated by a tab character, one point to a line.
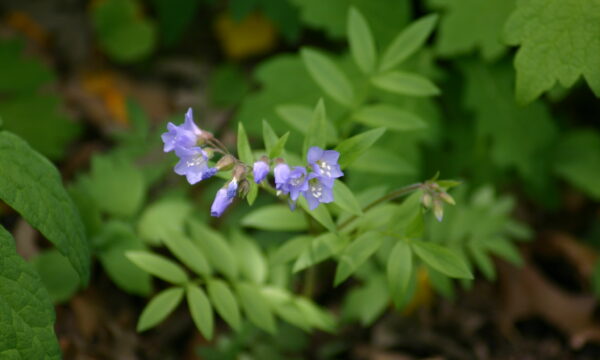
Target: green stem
388	197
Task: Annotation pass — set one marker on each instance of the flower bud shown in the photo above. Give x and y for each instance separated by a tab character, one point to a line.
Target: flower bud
426	200
225	163
239	172
243	188
438	209
447	198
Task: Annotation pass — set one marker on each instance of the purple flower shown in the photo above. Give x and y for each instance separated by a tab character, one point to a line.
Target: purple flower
282	172
184	135
193	164
232	188
296	183
260	171
221	202
325	164
318	192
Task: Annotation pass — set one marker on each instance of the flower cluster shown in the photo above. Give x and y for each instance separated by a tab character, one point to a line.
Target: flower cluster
195	147
316	186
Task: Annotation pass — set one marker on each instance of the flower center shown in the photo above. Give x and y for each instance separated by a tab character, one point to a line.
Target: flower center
196	161
297	181
316	189
324	168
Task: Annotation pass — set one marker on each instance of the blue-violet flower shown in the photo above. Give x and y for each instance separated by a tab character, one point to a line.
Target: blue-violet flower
193	164
221	202
318	192
325	164
260	170
184	135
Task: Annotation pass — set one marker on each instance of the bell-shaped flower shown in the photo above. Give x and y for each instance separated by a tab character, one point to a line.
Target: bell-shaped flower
181	136
325	164
318	192
260	170
221	202
193	163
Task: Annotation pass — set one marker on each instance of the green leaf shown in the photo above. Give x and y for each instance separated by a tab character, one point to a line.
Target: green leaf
25	308
114	240
366	303
314	315
290	250
284	306
377	160
187	252
275	218
344	198
442	259
316	135
200	310
117	186
216	248
21	74
482	260
256	307
277	149
320	248
251	260
405	83
161	218
473	25
407	42
355	254
269	136
399	271
578	160
159	266
122	32
252	193
559	41
159	308
56	274
224	302
329	76
519	136
388	116
352	148
299	116
362	45
32	186
321	214
243	146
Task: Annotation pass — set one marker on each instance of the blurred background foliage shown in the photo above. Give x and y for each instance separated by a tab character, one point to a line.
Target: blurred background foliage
91	85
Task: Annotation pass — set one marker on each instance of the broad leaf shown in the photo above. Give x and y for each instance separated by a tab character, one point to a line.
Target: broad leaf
251	261
32	186
159	308
320	249
162	217
329	76
559	41
187	252
362	44
25	308
321	214
399	270
290	250
344	198
316	135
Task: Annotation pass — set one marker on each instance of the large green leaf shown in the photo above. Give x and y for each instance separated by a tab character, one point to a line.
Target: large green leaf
317	133
161	218
469	25
57	274
559	41
251	261
388	116
32	186
404	83
159	266
26	312
356	254
578	160
200	310
255	306
352	148
399	270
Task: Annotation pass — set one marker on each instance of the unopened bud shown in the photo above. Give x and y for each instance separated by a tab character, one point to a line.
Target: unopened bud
210	152
205	137
225	163
244	188
447	198
279	161
426	200
239	172
438	209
